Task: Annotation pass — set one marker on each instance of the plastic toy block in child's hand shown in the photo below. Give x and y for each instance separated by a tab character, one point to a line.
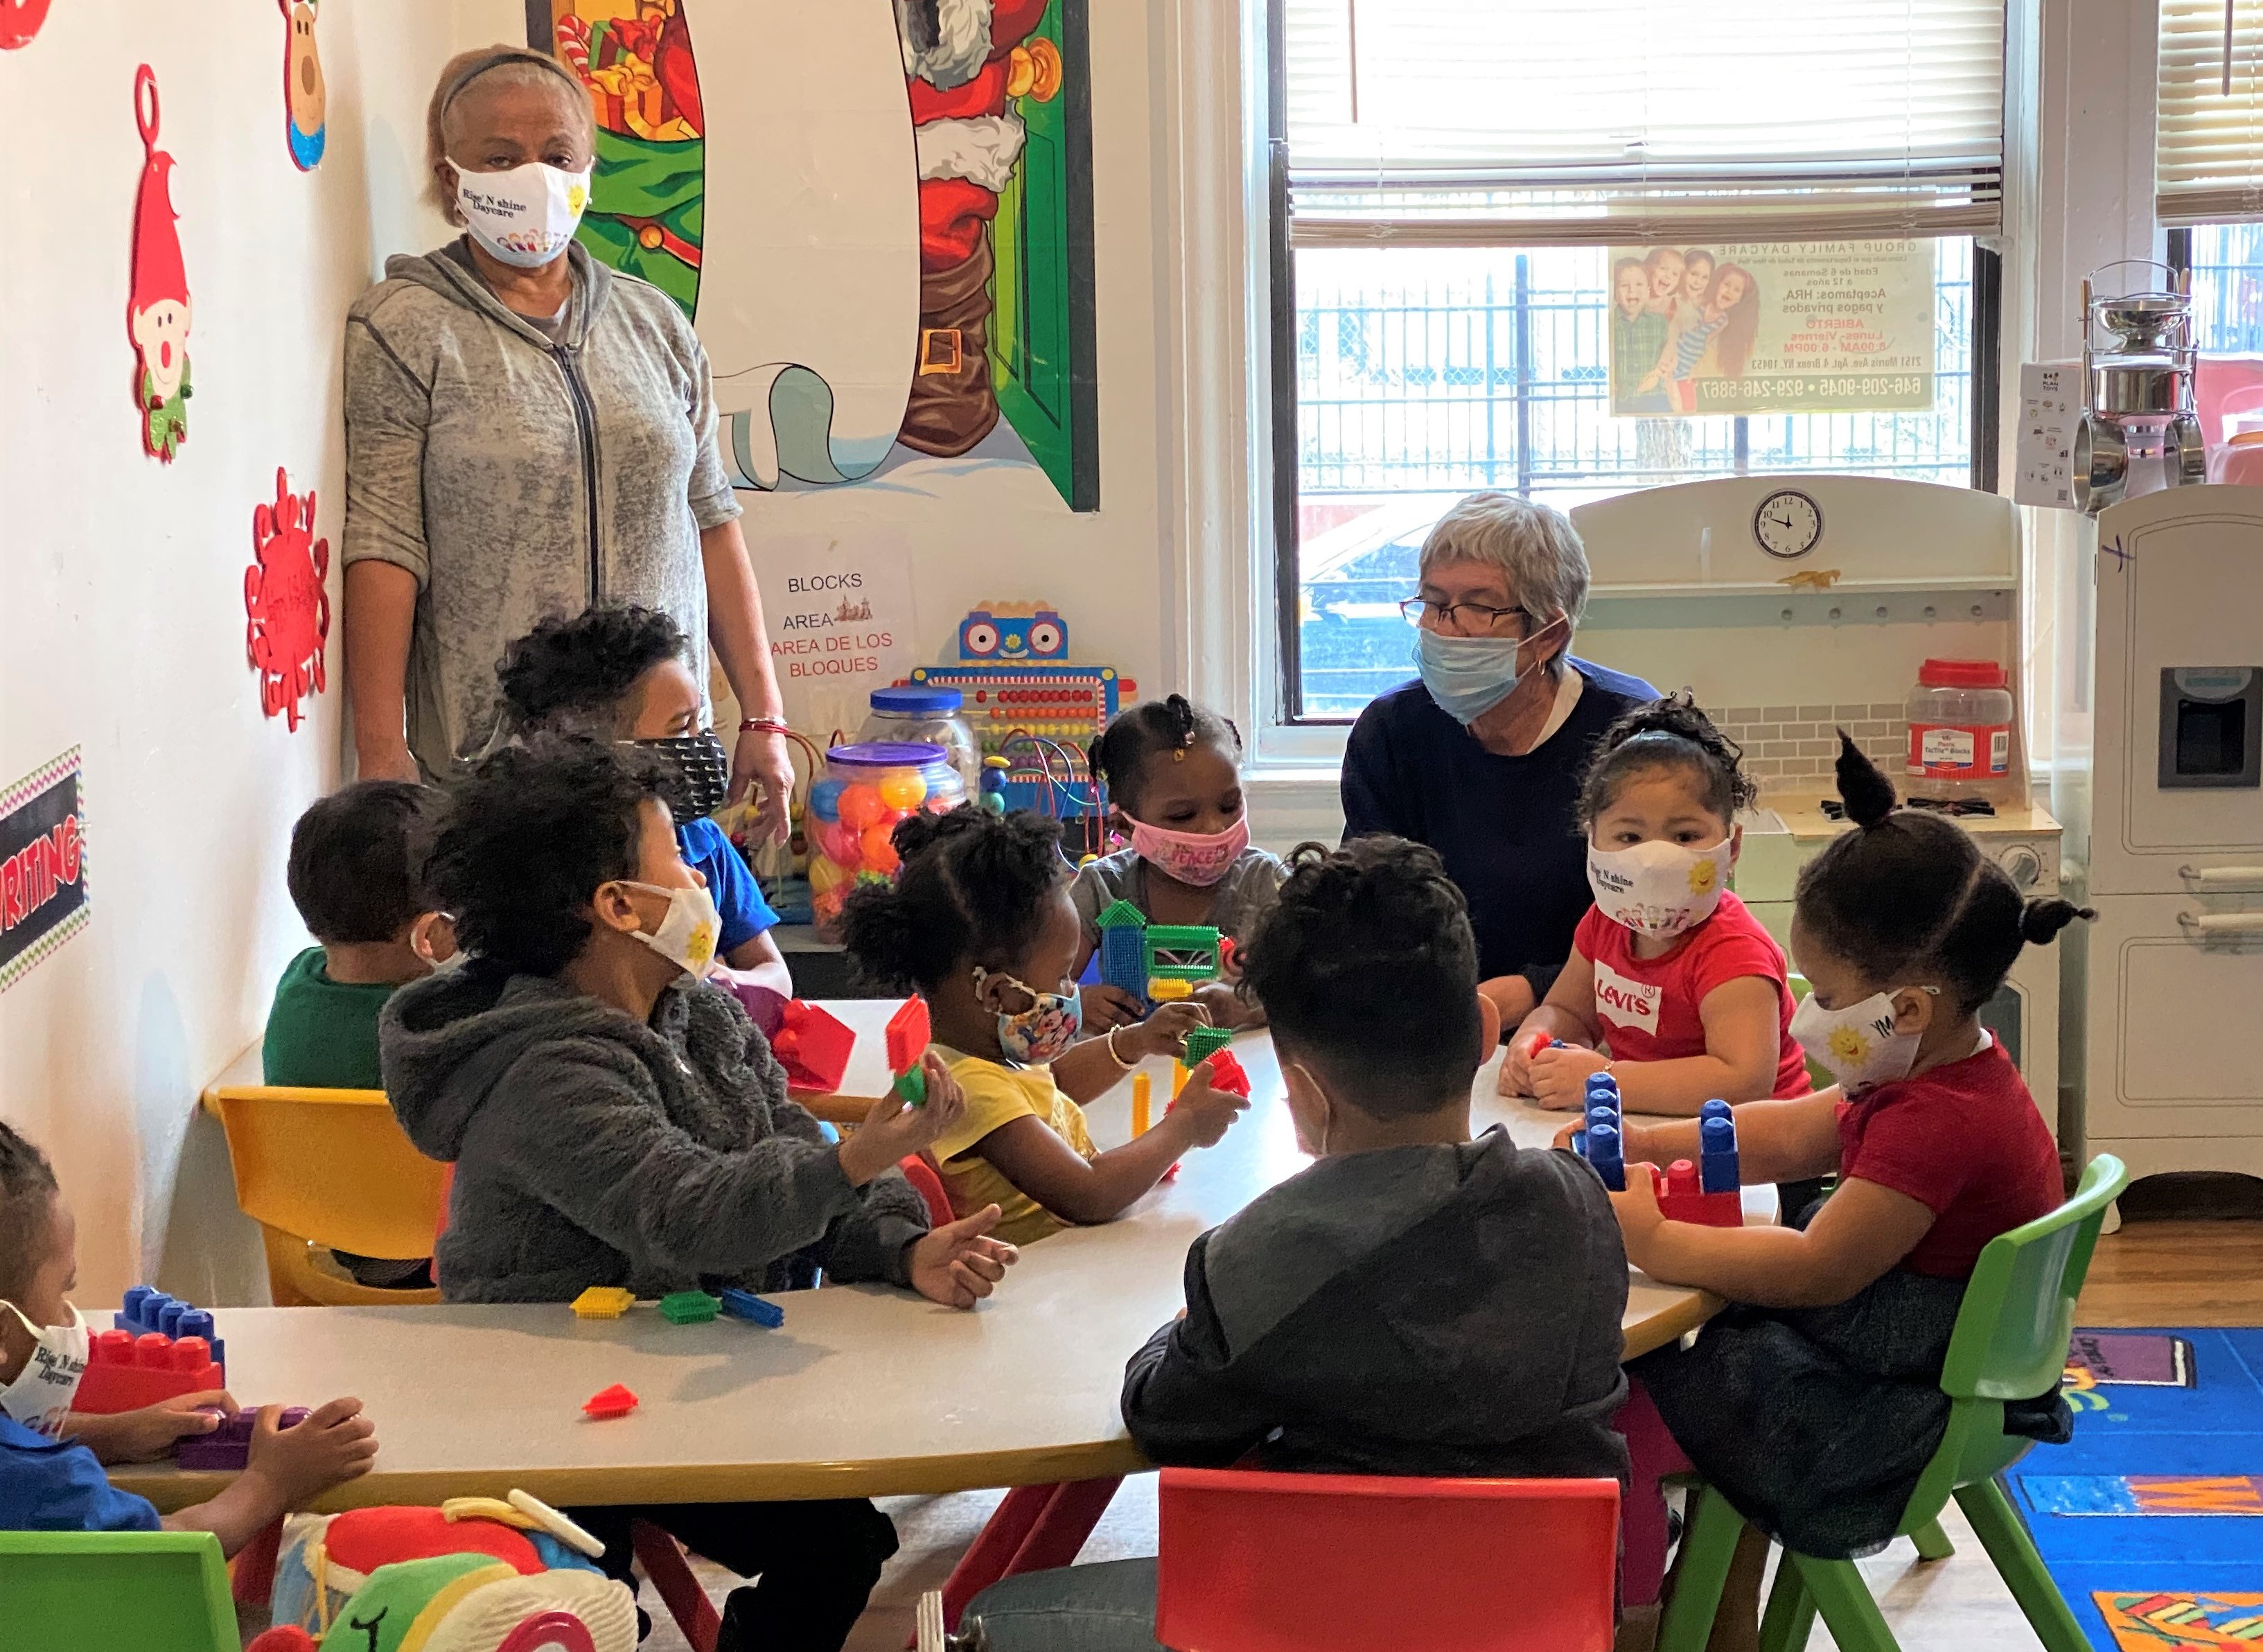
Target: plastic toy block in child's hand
746	1305
228	1446
1206	1041
616	1400
603	1302
1227	1075
1680	1198
813	1046
689	1307
909	1033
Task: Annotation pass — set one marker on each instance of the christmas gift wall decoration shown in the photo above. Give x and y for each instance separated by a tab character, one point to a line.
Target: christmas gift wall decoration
305	99
19	21
287	609
158	312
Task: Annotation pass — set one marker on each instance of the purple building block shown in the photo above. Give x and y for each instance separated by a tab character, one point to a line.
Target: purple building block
228	1446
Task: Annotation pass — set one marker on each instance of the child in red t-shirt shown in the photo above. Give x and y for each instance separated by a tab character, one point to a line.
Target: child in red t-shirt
1667	968
1813	1403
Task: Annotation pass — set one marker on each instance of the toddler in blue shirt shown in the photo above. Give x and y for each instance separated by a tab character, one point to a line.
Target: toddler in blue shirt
618	673
51	1458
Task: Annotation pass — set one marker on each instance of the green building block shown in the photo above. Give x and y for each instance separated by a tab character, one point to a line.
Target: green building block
689	1307
911	1085
1204	1042
1182	952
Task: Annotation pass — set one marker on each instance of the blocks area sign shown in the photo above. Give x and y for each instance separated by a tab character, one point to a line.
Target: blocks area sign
42	866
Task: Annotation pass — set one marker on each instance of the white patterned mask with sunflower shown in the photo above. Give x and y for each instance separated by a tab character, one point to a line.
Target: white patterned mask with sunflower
1857	1046
526	215
1660	889
686	937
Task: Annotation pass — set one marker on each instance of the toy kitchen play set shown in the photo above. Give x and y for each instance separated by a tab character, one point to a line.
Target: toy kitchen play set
1796	605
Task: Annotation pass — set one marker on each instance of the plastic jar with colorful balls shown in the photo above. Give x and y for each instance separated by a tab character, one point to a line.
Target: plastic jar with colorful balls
854	808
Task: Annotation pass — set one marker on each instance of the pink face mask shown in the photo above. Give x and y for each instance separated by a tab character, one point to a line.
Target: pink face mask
1199	859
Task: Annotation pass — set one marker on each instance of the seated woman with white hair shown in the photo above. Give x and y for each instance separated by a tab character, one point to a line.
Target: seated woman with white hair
1481	758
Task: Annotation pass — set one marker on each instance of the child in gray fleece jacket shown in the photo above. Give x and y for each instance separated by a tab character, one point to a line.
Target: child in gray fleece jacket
614	1121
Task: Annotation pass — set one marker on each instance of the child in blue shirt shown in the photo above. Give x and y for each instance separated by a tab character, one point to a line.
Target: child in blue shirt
51	1458
618	673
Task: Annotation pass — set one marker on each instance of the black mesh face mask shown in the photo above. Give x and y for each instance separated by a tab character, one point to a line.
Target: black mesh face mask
698	772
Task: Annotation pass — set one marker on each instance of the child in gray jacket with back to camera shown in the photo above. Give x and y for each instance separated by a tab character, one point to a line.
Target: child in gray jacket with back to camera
614	1121
1416	1303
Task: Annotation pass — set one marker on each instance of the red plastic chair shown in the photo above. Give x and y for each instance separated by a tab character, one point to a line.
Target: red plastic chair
1263	1562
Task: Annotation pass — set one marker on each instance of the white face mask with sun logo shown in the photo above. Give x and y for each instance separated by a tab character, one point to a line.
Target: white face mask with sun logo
687	936
1660	889
1857	1046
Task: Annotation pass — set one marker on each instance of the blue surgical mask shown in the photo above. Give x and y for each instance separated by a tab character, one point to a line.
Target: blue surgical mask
1469	676
1043	1032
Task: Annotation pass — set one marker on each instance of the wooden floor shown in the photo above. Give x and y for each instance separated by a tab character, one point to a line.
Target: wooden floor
2176	1271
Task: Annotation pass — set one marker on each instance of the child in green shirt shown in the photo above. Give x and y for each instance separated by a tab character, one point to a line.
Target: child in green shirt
356	876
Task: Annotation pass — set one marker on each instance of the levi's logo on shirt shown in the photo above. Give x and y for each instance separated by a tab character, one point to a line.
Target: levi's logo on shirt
1629	1002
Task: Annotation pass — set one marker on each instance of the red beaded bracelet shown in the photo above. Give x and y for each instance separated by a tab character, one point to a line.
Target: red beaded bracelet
763	726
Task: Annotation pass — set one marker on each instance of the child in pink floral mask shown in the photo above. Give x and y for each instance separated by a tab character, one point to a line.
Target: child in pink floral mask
1173	777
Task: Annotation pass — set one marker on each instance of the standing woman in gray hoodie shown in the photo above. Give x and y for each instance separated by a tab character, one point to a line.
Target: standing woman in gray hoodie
528	433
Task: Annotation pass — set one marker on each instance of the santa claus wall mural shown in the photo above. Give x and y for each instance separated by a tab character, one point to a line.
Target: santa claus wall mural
157	311
884	232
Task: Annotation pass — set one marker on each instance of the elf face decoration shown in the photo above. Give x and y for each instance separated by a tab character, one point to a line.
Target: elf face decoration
157	314
306	100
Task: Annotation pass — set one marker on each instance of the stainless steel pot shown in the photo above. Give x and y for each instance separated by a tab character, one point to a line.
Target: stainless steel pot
2139	386
2101	464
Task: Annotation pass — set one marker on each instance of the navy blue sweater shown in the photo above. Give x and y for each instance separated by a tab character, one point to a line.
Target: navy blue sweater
1505	827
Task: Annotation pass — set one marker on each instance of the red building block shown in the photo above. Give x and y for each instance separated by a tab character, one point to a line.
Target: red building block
616	1400
813	1046
1680	1199
125	1373
910	1034
1228	1075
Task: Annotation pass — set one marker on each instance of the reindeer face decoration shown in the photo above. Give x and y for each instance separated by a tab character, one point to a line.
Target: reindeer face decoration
305	100
157	314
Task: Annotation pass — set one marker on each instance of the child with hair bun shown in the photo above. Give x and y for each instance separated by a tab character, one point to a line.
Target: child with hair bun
979	922
1173	777
1814	1402
1667	967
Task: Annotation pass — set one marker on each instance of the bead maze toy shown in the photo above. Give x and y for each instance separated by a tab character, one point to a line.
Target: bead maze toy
909	1033
1706	1193
158	1348
1033	714
228	1446
813	1046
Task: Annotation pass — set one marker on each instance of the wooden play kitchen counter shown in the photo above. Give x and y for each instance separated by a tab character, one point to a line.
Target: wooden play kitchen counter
864	1392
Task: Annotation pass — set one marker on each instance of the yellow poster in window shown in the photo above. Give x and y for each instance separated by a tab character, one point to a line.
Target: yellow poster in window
1828	327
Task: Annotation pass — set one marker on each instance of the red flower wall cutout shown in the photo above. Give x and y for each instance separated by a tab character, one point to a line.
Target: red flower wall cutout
289	611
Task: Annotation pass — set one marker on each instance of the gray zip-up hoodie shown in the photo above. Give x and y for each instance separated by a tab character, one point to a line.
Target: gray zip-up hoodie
517	477
591	1149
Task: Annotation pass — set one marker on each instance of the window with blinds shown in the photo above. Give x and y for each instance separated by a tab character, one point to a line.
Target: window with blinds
2208	166
1538	122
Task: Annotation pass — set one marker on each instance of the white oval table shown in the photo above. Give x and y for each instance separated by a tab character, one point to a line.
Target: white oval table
865	1391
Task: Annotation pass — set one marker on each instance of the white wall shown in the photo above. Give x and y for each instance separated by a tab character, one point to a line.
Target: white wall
123	611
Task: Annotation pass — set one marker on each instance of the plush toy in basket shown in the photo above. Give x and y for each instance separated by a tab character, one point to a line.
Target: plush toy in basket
474	1574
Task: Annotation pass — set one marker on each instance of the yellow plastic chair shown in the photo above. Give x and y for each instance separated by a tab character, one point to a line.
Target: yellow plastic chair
330	1169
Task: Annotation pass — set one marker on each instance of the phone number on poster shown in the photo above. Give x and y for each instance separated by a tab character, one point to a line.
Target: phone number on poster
1809	387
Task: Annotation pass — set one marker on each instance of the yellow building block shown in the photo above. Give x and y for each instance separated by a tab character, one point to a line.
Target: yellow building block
603	1302
1164	992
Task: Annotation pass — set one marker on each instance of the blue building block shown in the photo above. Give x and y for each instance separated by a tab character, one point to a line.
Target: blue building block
147	1309
746	1305
1718	1170
1605	1153
1124	949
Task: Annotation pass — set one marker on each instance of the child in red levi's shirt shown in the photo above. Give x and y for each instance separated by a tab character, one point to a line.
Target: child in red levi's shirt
1813	1402
1667	967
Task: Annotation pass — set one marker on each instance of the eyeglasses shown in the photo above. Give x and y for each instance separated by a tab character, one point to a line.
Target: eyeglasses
1465	617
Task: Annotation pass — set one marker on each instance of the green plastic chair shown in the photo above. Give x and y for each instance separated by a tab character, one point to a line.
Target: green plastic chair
2010	1343
152	1591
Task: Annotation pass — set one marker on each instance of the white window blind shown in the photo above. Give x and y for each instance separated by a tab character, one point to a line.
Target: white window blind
2208	165
1555	122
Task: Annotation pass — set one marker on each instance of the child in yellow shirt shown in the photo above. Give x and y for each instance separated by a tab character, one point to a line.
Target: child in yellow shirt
980	922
